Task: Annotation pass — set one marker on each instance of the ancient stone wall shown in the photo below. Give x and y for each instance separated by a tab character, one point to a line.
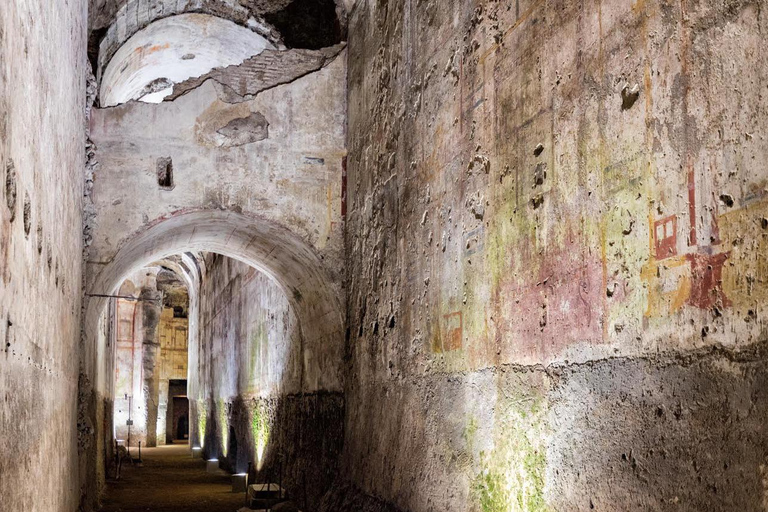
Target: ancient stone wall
252	404
276	154
42	102
556	239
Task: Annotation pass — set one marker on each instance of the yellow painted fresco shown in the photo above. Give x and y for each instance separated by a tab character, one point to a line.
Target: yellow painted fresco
745	277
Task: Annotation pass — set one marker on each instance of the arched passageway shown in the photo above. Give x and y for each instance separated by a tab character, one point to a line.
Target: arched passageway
249	199
265	372
257	242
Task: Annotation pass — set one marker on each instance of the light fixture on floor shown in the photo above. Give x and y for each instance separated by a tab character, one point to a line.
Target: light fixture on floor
239	482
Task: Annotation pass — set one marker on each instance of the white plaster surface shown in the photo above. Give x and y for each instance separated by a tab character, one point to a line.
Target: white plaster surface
175	48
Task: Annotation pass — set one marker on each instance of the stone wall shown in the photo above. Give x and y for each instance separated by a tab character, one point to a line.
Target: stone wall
253	405
275	153
253	174
42	102
557	228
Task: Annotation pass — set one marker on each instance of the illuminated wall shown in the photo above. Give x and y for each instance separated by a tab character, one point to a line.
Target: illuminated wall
253	405
174	338
556	239
137	396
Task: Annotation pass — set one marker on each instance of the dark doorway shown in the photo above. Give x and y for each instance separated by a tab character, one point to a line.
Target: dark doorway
180	418
177	416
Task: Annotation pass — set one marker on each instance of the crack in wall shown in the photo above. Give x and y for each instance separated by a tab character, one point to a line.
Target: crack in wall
752	354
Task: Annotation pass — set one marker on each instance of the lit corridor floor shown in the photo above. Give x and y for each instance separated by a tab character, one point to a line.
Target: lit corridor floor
170	481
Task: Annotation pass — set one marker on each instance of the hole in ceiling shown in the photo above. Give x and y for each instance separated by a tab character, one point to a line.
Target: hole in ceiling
310	24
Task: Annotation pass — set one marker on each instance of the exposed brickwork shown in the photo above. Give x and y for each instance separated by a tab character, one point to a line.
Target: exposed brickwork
264	71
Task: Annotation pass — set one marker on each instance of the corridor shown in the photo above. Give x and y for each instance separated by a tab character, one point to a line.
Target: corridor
384	255
170	480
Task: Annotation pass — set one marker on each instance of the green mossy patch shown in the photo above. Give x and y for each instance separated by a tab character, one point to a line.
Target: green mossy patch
511	476
260	428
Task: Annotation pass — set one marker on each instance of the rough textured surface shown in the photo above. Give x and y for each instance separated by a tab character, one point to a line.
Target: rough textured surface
691	429
554	213
252	404
345	496
261	72
42	103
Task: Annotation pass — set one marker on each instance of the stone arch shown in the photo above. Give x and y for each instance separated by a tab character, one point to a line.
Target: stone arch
272	249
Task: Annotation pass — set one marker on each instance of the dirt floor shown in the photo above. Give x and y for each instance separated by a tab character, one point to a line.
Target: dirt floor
171	481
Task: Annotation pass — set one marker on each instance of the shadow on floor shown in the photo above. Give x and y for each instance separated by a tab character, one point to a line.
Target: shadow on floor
170	481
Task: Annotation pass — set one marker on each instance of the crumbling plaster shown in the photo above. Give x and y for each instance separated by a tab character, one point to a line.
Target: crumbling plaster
292	177
113	22
556	251
122	19
172	50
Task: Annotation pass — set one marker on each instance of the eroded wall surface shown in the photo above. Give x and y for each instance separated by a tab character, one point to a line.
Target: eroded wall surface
42	101
251	402
248	162
274	152
557	229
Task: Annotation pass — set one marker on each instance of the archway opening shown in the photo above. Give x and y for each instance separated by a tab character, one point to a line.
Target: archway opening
264	341
149	325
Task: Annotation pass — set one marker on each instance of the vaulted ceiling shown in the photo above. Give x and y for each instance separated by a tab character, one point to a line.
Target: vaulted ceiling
310	24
